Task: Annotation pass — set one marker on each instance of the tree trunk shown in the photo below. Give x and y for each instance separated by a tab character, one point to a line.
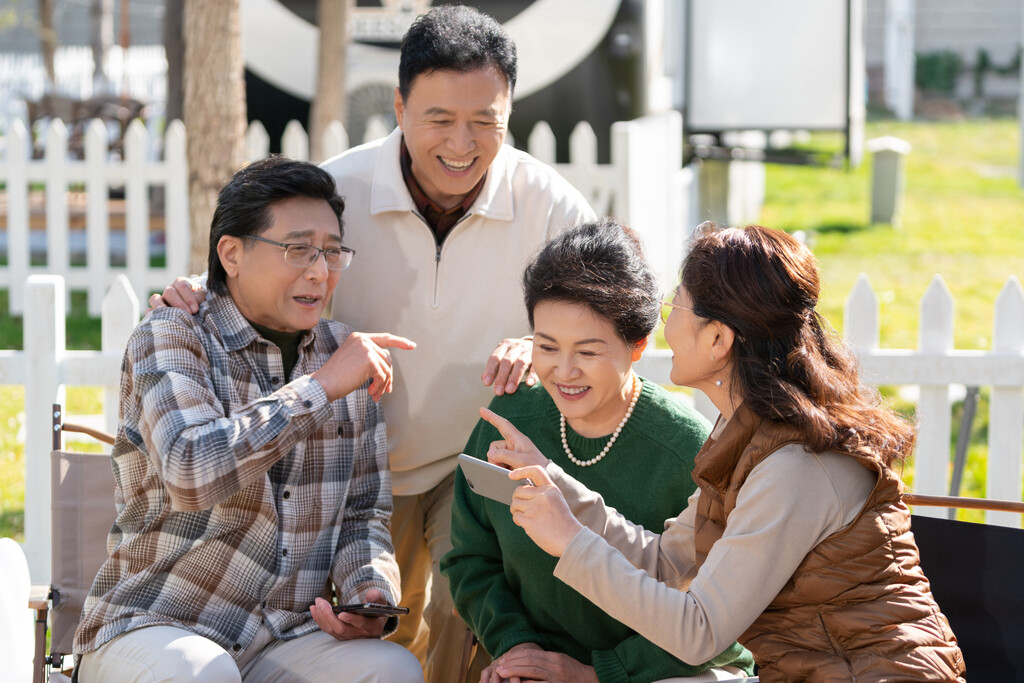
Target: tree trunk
101	37
48	39
214	110
174	49
329	102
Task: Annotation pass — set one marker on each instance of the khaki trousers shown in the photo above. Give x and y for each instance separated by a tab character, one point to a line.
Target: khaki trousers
156	654
420	528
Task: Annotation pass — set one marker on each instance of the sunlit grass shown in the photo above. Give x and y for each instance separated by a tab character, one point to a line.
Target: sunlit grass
80	401
962	218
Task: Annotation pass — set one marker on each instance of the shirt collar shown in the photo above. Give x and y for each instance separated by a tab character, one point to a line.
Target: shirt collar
235	330
388	191
426	206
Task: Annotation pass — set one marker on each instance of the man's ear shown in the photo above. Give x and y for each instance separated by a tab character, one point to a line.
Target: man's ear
399	108
229	250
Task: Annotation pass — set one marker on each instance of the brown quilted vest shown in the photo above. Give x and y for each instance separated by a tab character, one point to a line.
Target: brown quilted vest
858	608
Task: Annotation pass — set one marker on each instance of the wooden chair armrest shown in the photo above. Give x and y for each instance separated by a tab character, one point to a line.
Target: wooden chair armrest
965	503
39	597
94	433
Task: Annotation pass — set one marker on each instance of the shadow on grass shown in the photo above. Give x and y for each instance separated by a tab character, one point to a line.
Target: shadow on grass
845	228
12	523
82	332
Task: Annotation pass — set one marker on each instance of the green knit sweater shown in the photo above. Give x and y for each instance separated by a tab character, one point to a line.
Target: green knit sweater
503	584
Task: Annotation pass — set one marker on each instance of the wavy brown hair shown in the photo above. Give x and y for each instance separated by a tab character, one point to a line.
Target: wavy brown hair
789	364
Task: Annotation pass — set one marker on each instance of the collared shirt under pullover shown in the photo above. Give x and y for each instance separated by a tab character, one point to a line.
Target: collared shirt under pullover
456	299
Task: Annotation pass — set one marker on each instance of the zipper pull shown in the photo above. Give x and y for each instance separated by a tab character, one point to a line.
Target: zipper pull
437	255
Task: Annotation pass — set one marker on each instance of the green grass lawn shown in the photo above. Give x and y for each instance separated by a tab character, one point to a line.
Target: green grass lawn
963	217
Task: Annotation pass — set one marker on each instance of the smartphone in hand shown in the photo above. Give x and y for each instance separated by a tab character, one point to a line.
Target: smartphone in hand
371	609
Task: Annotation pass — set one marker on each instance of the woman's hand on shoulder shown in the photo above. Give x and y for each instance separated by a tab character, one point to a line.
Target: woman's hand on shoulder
514	450
183	293
508	365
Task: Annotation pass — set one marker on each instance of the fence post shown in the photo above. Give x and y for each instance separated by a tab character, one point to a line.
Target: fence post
931	461
295	142
860	316
257	142
583	145
18	150
376	127
44	350
541	143
646	154
583	170
136	210
97	223
177	236
621	148
120	313
335	139
57	253
1006	409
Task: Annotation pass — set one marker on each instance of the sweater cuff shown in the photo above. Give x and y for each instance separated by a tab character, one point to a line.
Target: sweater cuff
608	667
510	640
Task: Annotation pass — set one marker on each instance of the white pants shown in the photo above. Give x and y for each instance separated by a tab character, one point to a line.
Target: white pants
156	654
725	673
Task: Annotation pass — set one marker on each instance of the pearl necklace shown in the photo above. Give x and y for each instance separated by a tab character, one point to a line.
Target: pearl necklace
615	434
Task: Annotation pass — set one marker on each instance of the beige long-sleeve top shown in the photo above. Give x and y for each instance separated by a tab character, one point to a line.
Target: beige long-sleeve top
790	502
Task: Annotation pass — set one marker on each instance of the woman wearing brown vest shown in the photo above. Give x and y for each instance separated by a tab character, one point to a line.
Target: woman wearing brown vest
796	542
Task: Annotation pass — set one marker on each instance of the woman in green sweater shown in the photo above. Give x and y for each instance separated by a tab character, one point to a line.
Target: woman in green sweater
592	301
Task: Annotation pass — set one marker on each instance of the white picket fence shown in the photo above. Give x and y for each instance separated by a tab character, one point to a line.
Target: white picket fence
934	367
46	367
644	185
97	174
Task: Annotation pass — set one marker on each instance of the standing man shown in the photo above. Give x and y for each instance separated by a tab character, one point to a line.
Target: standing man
444	217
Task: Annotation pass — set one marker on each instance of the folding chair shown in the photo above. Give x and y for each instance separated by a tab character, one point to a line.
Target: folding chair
975	575
469	650
82	511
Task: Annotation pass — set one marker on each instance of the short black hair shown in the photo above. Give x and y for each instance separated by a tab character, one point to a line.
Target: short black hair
457	38
243	206
600	265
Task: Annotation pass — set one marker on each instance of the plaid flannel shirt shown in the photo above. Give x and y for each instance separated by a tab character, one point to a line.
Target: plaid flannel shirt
238	495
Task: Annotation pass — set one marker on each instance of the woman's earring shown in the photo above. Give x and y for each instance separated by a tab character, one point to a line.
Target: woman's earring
718	382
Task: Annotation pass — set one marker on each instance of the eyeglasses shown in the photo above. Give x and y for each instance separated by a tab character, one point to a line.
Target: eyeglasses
667	306
305	255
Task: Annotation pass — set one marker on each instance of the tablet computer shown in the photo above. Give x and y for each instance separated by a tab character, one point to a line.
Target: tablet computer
489	480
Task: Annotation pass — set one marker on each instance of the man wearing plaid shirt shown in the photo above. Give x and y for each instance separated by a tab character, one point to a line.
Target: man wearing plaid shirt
251	465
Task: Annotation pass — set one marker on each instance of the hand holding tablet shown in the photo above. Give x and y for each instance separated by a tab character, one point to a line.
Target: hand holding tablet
489	480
